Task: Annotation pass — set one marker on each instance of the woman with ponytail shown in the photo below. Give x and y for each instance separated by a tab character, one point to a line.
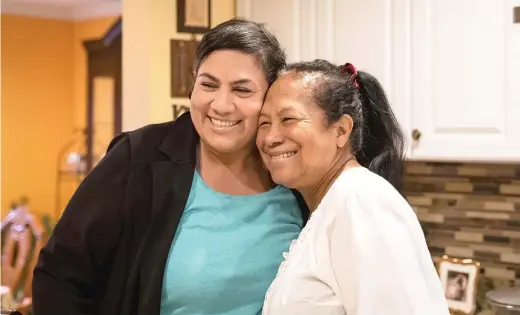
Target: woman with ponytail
330	133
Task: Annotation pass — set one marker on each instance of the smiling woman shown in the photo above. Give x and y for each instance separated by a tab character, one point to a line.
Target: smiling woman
226	100
180	218
329	132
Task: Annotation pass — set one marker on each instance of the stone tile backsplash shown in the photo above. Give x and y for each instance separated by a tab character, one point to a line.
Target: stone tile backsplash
470	211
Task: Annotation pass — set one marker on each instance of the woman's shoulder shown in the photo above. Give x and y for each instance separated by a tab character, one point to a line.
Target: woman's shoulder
148	136
175	139
366	189
363	198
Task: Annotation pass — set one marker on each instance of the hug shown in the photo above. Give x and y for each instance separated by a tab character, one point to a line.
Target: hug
278	193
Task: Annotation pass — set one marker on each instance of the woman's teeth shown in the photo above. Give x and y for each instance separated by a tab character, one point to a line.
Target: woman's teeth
224	123
283	155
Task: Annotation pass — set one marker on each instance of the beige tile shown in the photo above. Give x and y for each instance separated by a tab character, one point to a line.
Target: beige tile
499	273
499	206
488	215
471	229
471	171
491	248
515	243
503	172
419	201
442	195
441	237
510	189
430	217
512	199
460	252
471	204
469	237
510	258
459	187
511	234
419	169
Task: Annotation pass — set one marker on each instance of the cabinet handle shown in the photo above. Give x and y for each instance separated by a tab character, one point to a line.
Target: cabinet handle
516	15
416	134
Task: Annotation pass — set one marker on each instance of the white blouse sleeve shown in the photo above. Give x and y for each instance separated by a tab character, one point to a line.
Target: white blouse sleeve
380	260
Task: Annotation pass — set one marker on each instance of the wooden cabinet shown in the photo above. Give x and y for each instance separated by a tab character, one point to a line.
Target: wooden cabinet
451	68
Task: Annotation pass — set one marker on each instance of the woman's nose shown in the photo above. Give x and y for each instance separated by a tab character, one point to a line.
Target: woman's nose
223	103
273	136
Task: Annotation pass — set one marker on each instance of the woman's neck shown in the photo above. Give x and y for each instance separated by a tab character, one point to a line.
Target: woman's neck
237	173
314	195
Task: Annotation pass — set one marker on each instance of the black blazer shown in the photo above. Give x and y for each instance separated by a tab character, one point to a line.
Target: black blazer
108	251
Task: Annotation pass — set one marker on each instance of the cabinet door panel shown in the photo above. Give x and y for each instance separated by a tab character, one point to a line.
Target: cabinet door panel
303	27
466	80
374	35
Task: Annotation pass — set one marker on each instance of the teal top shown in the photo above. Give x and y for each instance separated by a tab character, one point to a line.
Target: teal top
227	250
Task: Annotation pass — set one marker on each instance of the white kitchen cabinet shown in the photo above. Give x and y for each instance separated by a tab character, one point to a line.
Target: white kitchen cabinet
305	28
374	36
465	80
451	69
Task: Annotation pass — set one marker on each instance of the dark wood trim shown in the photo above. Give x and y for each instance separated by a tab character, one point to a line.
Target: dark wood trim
107	39
104	59
181	19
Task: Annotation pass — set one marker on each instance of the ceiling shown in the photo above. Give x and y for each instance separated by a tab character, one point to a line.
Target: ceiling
63	9
61	3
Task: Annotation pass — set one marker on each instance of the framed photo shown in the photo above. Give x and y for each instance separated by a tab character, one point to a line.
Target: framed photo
182	60
459	279
178	110
193	16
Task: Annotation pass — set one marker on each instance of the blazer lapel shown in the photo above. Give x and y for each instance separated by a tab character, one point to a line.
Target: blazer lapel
171	188
171	183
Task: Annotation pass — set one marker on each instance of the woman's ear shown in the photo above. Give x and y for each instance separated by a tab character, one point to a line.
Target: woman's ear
343	127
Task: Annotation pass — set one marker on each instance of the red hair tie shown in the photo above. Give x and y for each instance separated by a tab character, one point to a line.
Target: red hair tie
350	69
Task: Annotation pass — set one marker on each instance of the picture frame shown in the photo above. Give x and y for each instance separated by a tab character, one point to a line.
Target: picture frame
182	61
459	278
193	16
178	110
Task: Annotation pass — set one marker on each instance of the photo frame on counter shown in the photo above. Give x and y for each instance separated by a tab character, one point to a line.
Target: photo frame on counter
459	278
193	16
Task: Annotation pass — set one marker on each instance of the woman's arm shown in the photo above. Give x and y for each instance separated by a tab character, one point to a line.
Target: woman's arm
380	260
66	276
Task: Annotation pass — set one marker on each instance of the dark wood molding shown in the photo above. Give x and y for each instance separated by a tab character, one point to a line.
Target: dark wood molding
104	59
112	34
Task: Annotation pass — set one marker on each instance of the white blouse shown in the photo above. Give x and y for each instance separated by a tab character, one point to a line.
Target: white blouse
362	252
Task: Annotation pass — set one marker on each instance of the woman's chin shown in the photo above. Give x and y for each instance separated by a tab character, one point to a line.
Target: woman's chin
282	179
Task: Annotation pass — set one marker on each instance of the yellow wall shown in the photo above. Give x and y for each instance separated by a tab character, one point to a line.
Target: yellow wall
44	87
43	100
37	96
147	30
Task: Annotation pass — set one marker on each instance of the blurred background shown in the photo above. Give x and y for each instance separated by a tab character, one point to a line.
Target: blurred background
75	73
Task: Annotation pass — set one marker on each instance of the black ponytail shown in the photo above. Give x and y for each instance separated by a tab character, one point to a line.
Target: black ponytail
382	141
376	138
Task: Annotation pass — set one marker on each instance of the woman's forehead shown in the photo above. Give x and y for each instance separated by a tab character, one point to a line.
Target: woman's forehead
233	65
290	87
